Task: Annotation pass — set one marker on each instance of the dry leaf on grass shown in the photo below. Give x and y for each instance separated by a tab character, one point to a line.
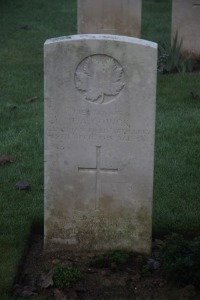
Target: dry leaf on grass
25	26
31	100
4	159
13	108
194	95
22	185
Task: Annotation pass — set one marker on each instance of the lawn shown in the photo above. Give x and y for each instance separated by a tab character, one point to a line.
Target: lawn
24	26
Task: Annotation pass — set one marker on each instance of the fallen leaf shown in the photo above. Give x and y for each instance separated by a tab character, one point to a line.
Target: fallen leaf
162	283
153	264
25	26
158	242
194	95
17	290
22	185
46	280
4	159
59	295
72	259
31	100
81	290
55	261
13	107
91	271
29	291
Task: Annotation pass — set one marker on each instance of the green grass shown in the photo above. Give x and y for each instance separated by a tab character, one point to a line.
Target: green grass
21	77
177	159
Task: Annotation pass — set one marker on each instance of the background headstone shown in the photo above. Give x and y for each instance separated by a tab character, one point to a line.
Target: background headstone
120	17
99	142
186	22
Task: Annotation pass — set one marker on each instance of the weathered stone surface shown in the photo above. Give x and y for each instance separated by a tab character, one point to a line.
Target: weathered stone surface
186	22
99	142
120	17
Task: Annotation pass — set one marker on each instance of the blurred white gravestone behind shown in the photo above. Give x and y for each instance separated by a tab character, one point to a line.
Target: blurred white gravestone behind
120	17
186	23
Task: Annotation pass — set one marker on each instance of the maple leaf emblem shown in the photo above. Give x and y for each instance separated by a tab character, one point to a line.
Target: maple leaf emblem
99	76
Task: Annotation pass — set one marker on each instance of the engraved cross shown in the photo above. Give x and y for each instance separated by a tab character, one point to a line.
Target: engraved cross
98	170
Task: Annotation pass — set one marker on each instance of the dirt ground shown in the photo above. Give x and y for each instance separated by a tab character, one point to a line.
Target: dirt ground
128	281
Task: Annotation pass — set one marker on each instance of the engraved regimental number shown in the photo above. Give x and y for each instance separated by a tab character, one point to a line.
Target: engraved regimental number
196	3
98	170
99	78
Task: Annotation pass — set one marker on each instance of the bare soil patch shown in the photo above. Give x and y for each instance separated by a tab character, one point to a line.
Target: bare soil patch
139	278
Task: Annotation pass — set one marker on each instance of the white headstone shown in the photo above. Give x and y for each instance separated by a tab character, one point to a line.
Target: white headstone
186	23
120	17
99	142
